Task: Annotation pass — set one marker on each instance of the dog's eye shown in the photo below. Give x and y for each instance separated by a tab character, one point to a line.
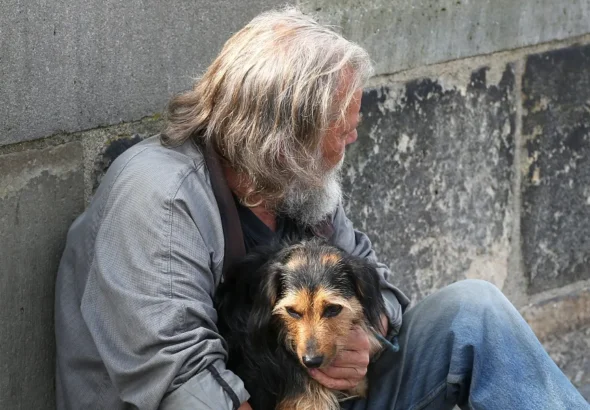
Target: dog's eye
293	313
332	310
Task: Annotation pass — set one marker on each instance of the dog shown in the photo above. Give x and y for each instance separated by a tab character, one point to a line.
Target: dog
284	310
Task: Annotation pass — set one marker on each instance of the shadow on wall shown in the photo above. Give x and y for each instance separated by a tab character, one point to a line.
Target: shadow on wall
110	153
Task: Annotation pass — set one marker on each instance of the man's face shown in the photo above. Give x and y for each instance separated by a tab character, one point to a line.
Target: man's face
310	205
339	136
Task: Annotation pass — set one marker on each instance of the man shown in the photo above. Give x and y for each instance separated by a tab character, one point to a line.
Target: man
135	322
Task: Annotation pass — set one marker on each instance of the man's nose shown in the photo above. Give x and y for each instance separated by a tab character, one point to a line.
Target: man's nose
313	362
352	137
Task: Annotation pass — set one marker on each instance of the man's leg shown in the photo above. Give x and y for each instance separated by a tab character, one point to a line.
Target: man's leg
467	345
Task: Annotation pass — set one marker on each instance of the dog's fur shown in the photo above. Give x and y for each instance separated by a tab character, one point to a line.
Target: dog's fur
283	303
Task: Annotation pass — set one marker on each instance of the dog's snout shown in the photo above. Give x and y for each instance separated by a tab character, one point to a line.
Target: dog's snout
313	362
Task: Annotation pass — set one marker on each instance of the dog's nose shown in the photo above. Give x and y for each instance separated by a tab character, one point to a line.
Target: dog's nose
313	362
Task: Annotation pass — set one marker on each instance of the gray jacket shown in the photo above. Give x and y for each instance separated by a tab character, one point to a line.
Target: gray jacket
134	318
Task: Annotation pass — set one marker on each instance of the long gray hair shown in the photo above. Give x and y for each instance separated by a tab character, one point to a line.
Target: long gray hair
268	98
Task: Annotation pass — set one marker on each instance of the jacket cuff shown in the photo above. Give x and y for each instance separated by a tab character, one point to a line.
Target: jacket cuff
214	388
394	312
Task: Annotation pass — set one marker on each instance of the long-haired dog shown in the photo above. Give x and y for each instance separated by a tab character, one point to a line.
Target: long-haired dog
282	311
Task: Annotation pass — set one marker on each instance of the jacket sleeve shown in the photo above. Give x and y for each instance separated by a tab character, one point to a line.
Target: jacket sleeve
148	301
358	244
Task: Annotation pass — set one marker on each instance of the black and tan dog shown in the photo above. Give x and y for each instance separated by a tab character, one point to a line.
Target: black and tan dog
284	310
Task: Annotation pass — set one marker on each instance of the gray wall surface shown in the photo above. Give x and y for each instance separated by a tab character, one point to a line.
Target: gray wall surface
39	197
70	66
487	177
67	67
402	34
472	160
431	178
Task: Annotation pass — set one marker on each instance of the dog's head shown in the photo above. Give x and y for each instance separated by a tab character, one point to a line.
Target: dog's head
313	295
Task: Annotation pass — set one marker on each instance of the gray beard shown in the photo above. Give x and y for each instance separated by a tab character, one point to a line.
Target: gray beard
310	206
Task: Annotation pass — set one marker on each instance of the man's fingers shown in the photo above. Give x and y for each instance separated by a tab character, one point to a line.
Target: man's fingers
357	340
331	383
352	359
351	373
350	365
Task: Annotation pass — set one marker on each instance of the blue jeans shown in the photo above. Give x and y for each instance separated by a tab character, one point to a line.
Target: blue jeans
467	345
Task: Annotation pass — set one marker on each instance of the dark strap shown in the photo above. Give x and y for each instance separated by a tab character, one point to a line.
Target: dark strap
234	249
226	387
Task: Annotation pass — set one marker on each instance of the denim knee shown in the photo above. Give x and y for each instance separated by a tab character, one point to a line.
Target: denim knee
473	293
475	286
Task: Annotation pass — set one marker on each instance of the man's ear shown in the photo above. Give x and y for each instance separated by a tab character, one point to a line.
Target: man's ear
366	283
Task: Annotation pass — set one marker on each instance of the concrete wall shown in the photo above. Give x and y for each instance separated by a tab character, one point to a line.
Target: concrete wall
484	173
71	66
402	34
472	160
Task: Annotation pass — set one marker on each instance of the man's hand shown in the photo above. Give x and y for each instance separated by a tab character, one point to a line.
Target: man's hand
245	406
350	366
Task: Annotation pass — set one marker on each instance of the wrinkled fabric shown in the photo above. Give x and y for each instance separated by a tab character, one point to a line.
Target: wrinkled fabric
134	317
467	345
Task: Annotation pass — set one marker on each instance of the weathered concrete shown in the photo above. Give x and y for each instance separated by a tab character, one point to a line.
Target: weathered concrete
570	352
97	141
70	66
41	191
556	184
430	178
563	313
109	153
561	320
67	67
401	34
94	143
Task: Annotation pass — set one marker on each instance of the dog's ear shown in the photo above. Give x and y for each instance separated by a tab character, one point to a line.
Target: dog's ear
261	318
242	280
366	283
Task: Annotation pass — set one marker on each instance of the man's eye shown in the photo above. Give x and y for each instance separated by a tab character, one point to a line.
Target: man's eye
293	313
332	310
